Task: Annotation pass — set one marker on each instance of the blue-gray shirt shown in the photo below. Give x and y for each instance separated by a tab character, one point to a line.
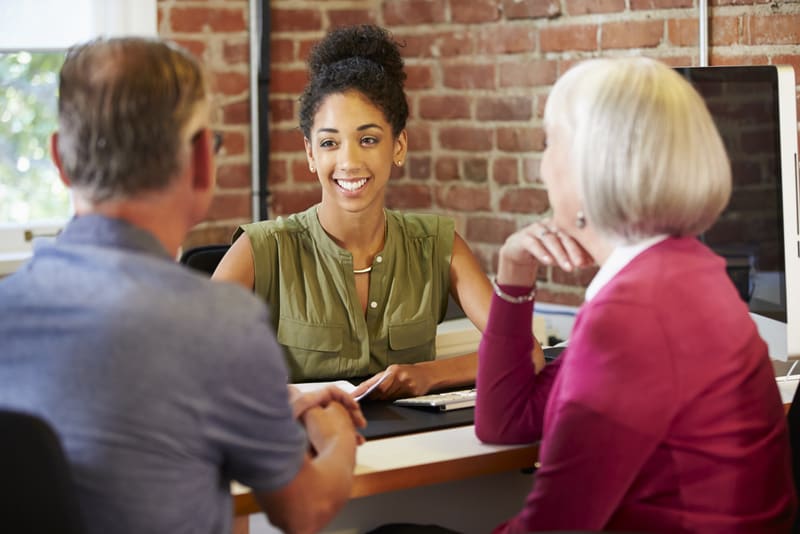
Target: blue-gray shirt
162	385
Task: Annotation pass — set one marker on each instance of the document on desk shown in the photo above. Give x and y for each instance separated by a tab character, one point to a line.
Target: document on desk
344	385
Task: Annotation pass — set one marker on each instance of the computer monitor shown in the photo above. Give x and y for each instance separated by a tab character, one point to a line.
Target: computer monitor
754	109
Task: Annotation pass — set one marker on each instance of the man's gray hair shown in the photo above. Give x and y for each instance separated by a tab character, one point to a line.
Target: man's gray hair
123	103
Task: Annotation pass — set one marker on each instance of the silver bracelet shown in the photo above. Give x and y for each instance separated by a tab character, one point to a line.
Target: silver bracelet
510	298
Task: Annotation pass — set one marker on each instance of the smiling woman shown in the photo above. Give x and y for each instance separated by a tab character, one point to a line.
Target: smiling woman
354	288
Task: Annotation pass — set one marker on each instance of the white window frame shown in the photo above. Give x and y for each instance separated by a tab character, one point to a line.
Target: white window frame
23	28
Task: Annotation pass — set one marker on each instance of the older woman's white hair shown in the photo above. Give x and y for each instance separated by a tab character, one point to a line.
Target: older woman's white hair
645	154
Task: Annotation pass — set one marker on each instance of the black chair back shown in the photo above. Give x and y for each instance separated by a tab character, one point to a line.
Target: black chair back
205	258
37	495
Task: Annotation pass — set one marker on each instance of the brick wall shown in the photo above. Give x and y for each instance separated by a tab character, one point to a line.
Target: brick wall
479	72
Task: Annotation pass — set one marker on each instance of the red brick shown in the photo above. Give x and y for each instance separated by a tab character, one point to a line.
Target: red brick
200	19
578	277
526	200
285	140
350	17
476	170
463	198
234	175
295	20
527	73
508	108
195	47
285	202
229	206
462	138
234	144
520	139
631	34
505	171
237	112
419	137
408	196
417	46
677	61
281	51
660	4
565	38
236	51
444	107
304	48
505	39
682	32
419	168
489	229
588	7
447	169
773	29
738	2
716	58
231	83
469	76
474	11
531	9
291	81
418	77
301	173
282	109
724	31
276	172
405	12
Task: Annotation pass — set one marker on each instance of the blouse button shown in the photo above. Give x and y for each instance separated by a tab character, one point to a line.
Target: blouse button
379	259
373	304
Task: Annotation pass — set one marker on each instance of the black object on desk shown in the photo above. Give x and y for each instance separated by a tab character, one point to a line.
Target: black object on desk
385	419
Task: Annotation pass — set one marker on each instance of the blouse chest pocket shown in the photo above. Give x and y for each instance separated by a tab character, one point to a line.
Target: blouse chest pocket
412	342
312	351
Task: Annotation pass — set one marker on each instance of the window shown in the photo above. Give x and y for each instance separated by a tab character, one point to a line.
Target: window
29	183
33	202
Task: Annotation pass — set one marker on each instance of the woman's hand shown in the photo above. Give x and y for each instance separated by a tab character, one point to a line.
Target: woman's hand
540	243
396	381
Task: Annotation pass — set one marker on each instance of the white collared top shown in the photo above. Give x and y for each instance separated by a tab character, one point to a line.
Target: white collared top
617	260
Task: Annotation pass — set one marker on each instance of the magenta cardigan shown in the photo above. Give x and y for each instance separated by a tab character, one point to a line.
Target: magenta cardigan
663	415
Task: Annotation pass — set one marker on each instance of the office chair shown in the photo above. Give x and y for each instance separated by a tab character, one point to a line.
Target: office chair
205	258
37	495
793	418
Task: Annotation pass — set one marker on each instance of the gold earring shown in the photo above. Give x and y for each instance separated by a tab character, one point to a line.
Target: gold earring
311	168
398	163
580	220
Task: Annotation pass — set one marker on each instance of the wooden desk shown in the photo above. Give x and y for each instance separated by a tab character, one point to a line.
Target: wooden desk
415	460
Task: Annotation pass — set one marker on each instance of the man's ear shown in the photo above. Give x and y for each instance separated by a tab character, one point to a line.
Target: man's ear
204	174
57	160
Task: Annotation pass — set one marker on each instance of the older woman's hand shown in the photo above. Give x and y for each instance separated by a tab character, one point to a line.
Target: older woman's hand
537	244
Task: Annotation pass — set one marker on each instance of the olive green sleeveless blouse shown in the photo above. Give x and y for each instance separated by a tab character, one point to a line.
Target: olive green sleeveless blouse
307	280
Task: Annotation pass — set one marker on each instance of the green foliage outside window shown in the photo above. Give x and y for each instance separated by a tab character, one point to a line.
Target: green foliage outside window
30	189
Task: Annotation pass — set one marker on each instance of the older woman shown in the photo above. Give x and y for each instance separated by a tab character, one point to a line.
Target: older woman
663	414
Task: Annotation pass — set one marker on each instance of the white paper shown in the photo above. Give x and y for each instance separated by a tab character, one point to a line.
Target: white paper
306	387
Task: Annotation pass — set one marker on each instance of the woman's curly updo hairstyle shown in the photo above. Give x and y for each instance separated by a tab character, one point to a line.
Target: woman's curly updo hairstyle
360	58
